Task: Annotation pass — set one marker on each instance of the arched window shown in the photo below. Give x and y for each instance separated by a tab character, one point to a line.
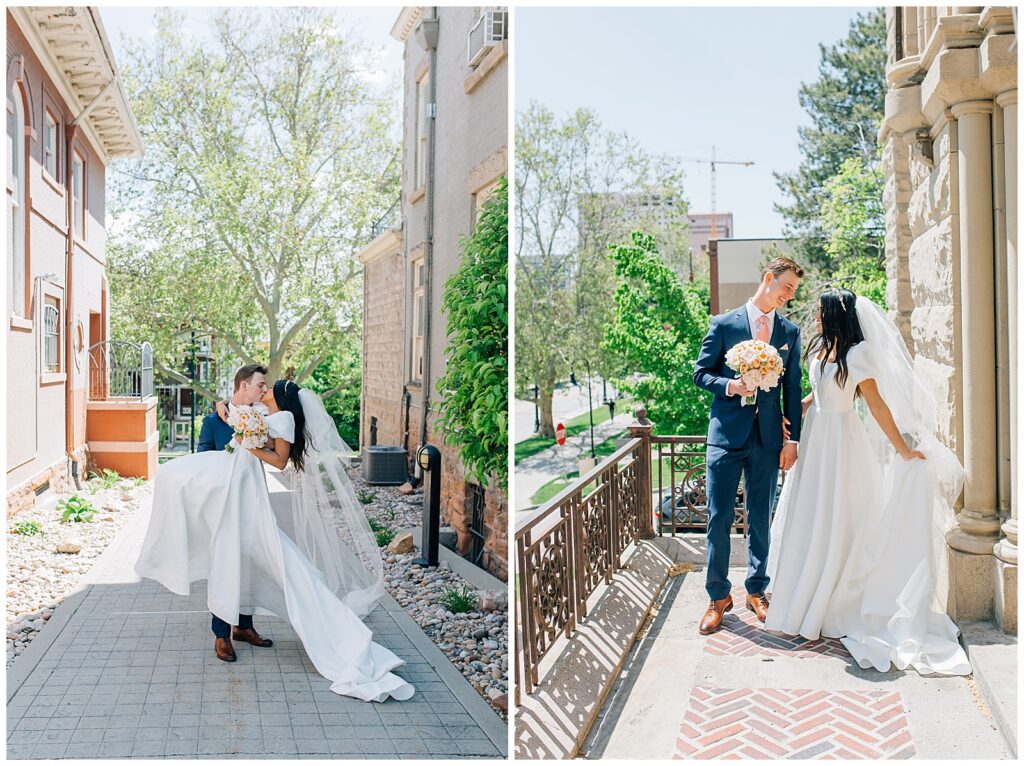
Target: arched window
16	203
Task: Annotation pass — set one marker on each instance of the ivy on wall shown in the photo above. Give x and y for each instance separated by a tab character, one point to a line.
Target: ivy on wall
473	412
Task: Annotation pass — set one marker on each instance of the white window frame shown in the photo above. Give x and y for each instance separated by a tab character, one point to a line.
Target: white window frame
52	357
50	144
419	303
420	139
16	181
78	194
480	198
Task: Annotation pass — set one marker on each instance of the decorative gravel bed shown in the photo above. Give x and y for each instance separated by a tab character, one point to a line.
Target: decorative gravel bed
39	577
475	642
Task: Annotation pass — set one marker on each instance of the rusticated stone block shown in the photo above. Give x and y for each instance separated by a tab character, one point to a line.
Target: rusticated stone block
942	381
931	265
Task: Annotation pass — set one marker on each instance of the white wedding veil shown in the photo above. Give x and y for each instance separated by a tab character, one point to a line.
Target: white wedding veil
915	410
329	524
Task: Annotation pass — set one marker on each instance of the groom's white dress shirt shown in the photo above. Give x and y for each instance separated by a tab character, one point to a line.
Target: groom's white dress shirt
753	314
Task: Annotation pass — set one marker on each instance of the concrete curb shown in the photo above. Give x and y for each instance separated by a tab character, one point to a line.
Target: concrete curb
491	723
993	656
479	578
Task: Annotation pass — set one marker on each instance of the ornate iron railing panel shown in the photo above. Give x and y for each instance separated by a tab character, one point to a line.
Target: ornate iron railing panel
572	545
120	370
681	502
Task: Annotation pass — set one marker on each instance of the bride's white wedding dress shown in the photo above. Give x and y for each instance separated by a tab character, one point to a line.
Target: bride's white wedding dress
857	532
212	520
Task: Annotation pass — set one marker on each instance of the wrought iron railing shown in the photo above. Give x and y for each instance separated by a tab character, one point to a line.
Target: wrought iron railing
120	370
576	540
574	543
391	219
681	501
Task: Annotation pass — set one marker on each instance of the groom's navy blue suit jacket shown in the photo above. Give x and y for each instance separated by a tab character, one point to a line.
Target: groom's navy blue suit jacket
215	433
731	422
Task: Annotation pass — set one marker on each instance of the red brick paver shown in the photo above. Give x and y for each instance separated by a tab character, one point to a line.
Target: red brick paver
794	723
743	635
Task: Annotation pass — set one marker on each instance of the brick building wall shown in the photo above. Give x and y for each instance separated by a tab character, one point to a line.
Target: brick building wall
470	155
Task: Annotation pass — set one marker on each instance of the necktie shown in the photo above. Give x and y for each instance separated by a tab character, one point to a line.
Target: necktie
762	328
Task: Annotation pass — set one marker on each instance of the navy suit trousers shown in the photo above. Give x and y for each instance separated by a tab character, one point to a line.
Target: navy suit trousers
760	467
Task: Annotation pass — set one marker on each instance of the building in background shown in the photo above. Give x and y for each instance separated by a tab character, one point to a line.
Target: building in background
949	143
735	269
455	151
701	234
67	119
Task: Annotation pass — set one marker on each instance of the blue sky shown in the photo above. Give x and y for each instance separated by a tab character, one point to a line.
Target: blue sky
680	80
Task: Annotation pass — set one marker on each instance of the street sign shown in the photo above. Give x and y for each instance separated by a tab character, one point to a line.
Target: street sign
560	434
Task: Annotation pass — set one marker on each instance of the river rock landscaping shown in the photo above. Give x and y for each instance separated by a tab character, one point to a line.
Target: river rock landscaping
475	641
48	557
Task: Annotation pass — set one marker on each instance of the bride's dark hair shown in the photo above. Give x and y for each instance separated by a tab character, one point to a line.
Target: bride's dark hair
840	330
286	394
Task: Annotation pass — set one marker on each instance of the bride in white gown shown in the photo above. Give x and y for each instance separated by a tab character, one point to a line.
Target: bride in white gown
212	520
858	534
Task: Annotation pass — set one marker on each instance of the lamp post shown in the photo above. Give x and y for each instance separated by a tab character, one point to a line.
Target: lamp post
192	375
536	408
590	410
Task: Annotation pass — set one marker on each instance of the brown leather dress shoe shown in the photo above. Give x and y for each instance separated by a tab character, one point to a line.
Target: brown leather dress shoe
712	619
225	651
250	636
758	604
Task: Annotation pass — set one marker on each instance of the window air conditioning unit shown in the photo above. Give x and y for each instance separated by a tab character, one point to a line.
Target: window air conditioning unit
385	465
490	29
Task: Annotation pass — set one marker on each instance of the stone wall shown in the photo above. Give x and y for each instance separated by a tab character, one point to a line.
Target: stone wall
22	498
948	137
381	391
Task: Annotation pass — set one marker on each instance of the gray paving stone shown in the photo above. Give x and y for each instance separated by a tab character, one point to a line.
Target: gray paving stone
170	698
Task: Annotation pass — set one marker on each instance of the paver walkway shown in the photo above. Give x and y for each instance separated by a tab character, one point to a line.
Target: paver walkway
747	693
537	470
125	668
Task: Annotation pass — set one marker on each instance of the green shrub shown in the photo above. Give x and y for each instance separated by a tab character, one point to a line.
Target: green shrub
28	528
366	497
458	600
76	509
384	536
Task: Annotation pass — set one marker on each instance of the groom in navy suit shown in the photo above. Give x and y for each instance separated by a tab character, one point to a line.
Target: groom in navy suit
748	439
250	385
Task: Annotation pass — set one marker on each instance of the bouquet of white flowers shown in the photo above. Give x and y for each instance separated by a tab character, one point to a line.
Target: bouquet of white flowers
250	428
758	364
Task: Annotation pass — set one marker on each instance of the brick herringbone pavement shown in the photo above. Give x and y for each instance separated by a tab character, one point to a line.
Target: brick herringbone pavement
742	635
794	723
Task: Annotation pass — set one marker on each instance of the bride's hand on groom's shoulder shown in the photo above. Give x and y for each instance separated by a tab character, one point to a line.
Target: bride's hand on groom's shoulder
222	410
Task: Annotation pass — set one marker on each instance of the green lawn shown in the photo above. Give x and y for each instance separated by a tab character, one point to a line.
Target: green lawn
579	424
556	485
603	450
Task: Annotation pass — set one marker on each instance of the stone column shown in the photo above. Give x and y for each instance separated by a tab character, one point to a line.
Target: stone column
977	530
1006	549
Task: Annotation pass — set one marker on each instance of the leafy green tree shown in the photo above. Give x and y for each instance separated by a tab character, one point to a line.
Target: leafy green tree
338	380
854	221
269	156
658	326
474	387
845	105
579	188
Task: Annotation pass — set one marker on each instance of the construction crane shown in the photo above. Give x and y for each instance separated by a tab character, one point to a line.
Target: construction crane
714	162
